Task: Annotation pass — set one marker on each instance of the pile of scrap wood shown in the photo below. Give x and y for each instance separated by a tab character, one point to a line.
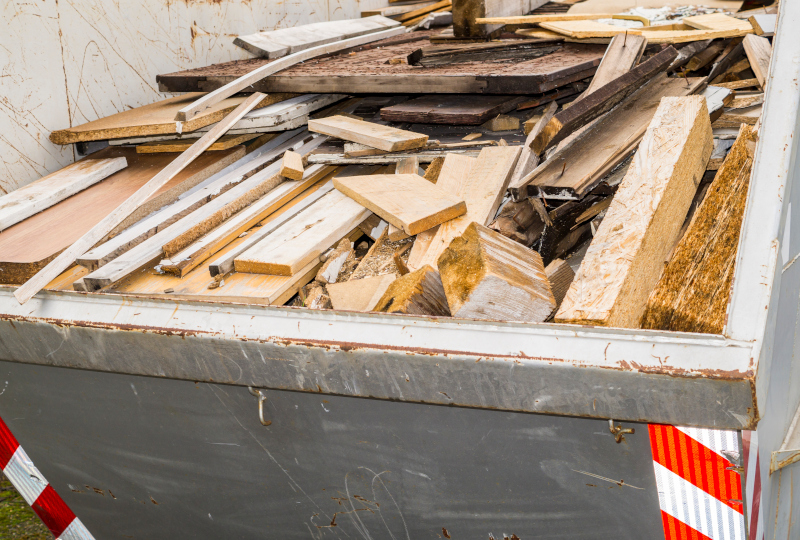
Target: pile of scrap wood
574	171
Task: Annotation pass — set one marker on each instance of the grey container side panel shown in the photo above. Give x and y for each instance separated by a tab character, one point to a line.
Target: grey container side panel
155	458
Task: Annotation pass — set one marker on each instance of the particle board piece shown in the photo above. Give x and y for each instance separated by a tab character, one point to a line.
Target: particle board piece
571	172
378	136
155	119
623	53
416	293
560	274
528	159
764	24
380	259
292	166
718	21
488	276
450	109
433	170
41	194
225	142
482	191
584	29
694	290
303	238
601	101
361	294
640	228
406	201
759	52
539	33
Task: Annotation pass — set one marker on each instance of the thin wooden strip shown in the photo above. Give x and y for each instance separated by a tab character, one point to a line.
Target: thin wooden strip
759	52
528	159
45	192
224	142
240	84
375	135
99	231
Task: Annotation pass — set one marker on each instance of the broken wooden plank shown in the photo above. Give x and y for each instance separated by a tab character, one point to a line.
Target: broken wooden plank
482	191
687	52
731	55
601	101
212	98
504	50
107	224
705	57
303	238
40	194
406	201
627	255
502	122
380	259
719	22
694	290
576	169
560	275
583	29
292	165
416	293
181	145
455	109
764	24
735	85
375	135
683	36
488	276
623	53
759	52
528	159
360	294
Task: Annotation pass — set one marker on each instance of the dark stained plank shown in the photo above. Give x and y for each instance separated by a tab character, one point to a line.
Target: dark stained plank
450	109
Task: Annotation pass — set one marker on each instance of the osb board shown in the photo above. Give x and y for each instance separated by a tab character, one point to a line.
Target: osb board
369	71
30	244
237	287
154	119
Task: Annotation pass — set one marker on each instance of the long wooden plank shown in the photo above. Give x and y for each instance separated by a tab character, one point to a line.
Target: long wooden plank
545	17
583	29
375	135
718	21
684	36
573	171
601	101
407	201
279	114
694	290
759	52
482	191
45	192
99	231
642	224
185	260
240	84
226	179
458	109
622	54
304	238
528	159
155	119
181	145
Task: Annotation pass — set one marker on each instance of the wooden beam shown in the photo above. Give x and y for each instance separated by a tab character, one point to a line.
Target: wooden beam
304	238
99	231
406	201
375	135
695	287
416	293
759	52
241	84
53	188
488	276
627	255
601	101
292	165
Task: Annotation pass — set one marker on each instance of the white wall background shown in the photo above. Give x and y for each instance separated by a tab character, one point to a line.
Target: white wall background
67	62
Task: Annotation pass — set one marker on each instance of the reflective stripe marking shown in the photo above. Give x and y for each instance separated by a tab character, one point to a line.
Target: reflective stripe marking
750	462
8	444
21	471
687	503
716	440
679	530
53	511
76	531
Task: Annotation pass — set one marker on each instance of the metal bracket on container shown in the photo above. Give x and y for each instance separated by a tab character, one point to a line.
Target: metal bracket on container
261	399
789	452
618	432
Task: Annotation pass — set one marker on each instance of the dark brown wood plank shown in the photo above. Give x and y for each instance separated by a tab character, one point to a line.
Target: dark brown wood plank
451	109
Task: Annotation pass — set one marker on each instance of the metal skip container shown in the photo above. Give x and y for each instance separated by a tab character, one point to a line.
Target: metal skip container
165	418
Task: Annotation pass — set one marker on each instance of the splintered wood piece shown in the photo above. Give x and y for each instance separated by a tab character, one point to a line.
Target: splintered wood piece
726	63
601	101
502	122
304	238
452	177
416	293
407	201
622	54
528	159
488	276
759	52
735	85
373	226
694	290
433	170
292	166
717	98
705	57
686	53
375	135
329	272
53	188
359	294
640	228
224	142
764	24
482	191
718	21
560	274
379	259
571	172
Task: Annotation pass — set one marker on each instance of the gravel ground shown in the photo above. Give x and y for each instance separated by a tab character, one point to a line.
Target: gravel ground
17	519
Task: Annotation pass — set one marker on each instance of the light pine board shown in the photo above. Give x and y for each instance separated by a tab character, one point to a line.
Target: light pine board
584	29
407	201
304	238
718	21
627	254
224	142
53	188
759	52
292	166
377	136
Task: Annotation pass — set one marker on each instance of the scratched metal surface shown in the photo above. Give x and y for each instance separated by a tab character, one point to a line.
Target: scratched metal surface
115	445
67	62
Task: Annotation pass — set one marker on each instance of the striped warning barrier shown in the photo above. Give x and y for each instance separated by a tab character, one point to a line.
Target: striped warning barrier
36	491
